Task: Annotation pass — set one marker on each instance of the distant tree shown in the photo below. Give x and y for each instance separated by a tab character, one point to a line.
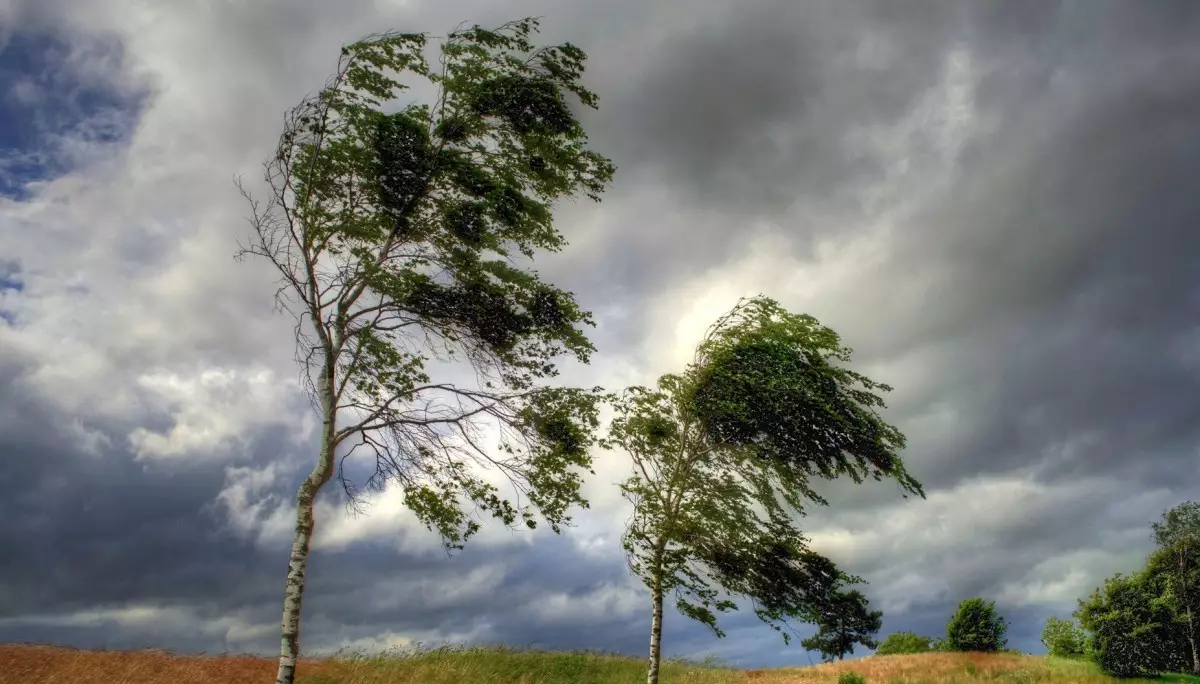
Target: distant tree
1134	630
976	626
1063	638
941	645
399	231
899	643
1178	537
842	624
724	454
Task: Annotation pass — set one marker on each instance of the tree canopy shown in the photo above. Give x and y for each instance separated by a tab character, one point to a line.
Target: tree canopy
1063	638
843	624
899	643
1135	631
976	626
1178	537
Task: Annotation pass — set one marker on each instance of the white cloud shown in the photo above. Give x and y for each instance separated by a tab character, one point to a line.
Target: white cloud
213	408
148	617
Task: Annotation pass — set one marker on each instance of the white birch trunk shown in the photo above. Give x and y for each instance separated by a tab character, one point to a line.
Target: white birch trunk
294	589
656	592
1192	639
656	634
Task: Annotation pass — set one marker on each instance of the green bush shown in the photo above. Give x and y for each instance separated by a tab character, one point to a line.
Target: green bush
976	626
851	678
1134	631
1063	638
898	643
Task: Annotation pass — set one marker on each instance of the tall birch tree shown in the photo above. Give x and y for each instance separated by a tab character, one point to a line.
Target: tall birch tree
402	233
724	455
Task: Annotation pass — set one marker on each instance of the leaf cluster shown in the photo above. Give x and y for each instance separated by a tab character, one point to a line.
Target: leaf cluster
900	643
976	626
843	625
1133	628
772	382
1064	638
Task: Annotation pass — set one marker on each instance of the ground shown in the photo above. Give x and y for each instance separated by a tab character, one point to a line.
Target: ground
37	664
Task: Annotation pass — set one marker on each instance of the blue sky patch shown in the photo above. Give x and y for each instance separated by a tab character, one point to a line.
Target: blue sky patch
10	282
51	94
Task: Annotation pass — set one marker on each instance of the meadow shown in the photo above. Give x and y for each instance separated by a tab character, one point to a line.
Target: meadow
40	664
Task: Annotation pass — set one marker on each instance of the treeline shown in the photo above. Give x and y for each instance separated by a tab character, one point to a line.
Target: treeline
975	626
1142	623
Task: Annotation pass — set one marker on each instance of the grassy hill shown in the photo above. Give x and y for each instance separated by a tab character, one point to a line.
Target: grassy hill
32	664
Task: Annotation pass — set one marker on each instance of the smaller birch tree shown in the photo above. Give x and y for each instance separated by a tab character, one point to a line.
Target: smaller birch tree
724	454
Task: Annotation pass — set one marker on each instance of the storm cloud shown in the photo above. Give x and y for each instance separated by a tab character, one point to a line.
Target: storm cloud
991	202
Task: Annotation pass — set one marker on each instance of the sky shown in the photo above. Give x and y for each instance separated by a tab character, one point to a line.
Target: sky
992	203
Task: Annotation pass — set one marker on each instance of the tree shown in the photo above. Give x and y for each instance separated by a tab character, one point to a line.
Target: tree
1063	638
399	232
1134	630
976	626
1178	537
842	624
898	643
723	457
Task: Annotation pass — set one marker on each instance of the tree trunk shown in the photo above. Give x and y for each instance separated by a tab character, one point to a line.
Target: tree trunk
656	634
1192	641
289	649
656	592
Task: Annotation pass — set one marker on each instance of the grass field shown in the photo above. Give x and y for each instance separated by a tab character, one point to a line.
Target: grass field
26	664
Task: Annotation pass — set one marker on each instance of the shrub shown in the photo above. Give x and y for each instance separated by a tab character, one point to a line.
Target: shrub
851	678
898	643
976	626
1063	638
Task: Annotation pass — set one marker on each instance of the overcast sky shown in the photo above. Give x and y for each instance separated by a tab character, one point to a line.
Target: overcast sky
993	202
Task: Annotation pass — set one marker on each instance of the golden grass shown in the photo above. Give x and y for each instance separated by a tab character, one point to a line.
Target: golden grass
22	664
35	664
945	668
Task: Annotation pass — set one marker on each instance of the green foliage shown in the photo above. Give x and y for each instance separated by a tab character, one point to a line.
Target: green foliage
1135	632
398	230
769	382
1143	624
976	626
714	512
901	643
851	678
842	624
1063	638
1178	558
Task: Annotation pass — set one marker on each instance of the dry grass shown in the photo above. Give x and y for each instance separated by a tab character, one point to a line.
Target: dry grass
35	664
945	668
20	664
